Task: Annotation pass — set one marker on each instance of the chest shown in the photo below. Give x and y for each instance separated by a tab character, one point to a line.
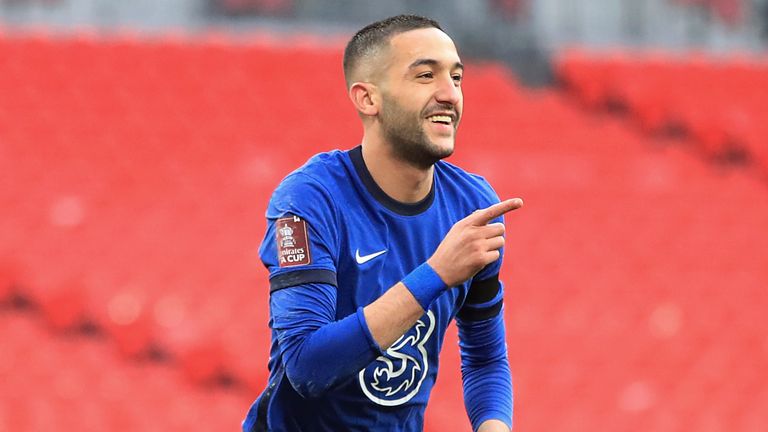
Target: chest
378	249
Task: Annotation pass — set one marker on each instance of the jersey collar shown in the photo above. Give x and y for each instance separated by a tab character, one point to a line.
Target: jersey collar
405	209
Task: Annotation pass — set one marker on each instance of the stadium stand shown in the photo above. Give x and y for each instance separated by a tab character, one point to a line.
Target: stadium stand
720	103
76	383
137	171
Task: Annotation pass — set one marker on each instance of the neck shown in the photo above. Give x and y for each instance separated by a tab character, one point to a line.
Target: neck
399	179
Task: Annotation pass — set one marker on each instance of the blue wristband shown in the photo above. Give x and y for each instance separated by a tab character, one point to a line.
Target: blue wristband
425	284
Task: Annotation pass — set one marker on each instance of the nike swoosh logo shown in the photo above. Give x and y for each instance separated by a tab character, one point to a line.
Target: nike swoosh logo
365	258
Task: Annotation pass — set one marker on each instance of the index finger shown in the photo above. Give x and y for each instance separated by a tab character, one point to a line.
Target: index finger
483	216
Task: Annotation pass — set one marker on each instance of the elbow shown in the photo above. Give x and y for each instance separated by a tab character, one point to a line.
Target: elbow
307	384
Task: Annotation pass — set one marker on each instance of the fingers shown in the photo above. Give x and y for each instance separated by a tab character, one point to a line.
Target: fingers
482	217
491	256
495	243
492	230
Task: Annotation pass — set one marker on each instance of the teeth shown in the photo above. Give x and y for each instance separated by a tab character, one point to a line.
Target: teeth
440	118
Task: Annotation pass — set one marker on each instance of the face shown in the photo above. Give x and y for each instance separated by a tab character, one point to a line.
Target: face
421	96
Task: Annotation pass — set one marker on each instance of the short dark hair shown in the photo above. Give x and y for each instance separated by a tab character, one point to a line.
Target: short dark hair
375	35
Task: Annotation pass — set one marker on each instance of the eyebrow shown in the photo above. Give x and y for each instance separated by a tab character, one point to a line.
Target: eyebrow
432	62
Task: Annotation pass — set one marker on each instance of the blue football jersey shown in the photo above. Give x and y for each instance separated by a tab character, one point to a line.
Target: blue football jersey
333	233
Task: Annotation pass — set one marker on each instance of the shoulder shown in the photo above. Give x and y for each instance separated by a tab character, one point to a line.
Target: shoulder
309	186
319	169
469	184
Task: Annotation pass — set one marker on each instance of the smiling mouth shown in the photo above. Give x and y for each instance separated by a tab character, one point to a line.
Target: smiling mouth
442	119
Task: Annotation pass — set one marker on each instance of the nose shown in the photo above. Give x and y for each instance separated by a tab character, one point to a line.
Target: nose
448	91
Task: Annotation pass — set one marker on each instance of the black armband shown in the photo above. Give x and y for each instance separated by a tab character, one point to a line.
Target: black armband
484	300
301	277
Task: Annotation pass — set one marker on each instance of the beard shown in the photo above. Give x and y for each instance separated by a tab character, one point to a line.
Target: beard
404	131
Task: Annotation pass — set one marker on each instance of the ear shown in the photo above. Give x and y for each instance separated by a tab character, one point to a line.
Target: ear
365	98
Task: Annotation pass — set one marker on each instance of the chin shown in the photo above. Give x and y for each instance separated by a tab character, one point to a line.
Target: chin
443	148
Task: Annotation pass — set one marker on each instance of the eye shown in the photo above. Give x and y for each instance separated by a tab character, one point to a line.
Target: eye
457	78
426	75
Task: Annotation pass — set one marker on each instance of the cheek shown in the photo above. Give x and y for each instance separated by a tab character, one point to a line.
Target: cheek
415	97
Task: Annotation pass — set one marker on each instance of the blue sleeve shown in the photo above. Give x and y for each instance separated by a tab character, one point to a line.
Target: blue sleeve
319	353
301	196
484	365
300	250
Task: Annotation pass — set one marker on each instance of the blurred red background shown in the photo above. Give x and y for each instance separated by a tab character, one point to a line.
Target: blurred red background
135	171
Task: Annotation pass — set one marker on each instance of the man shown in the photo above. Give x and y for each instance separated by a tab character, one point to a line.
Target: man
373	251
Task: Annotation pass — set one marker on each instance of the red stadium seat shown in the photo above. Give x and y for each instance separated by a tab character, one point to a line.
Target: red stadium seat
63	305
714	100
86	388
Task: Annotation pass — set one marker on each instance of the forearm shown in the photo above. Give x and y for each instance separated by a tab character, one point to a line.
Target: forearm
485	372
303	318
392	314
329	355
